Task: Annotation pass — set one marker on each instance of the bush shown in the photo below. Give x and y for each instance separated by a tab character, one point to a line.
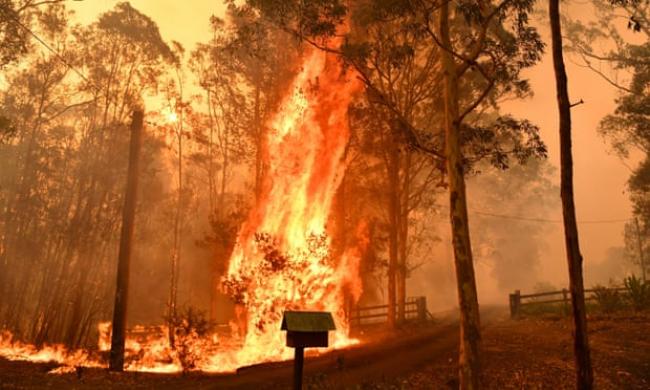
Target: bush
189	327
638	293
609	300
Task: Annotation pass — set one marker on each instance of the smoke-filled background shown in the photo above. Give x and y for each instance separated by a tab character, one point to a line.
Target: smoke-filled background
210	85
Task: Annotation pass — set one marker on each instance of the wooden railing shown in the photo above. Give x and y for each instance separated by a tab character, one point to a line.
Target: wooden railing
415	309
518	300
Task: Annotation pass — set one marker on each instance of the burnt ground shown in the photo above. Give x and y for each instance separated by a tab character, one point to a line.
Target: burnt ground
528	353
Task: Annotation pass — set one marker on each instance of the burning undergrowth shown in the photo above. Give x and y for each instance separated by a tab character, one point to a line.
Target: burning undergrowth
282	259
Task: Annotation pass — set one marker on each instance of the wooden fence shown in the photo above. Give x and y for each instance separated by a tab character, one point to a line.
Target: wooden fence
415	309
518	300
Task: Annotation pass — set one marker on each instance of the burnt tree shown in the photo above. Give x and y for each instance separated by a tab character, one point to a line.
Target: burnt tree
116	362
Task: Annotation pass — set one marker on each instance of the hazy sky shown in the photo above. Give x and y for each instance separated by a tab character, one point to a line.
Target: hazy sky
184	21
600	177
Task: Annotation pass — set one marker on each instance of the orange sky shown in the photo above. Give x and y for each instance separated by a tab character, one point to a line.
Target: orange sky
600	177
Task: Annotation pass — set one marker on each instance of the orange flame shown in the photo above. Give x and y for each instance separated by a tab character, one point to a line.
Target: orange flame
282	259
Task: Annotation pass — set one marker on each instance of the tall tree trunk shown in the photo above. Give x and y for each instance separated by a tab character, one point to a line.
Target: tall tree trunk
403	219
393	228
259	143
467	297
639	241
116	362
176	255
584	374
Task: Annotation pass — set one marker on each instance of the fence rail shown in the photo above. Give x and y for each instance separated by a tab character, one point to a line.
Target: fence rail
415	309
518	300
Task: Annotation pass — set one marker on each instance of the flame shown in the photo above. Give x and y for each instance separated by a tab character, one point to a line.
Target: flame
282	259
15	350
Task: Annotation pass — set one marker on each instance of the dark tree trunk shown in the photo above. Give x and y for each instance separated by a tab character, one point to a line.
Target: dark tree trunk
393	228
259	142
584	374
404	205
469	367
116	362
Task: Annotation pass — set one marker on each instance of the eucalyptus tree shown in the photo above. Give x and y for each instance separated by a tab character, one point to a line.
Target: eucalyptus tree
615	45
265	58
482	49
224	143
73	151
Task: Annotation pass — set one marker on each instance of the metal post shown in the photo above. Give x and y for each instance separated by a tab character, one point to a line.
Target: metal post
116	361
297	368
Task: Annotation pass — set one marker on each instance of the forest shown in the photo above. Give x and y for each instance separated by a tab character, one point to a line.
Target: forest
462	188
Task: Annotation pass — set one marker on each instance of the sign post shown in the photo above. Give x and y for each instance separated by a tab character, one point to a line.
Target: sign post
305	329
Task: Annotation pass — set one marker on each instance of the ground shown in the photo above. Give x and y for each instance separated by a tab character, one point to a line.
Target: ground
521	354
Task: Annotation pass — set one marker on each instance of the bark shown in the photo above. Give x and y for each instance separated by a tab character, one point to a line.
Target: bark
467	297
584	374
393	227
639	241
116	362
176	255
259	143
403	219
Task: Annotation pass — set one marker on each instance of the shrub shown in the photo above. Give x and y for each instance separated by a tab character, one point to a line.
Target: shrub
609	300
638	293
189	327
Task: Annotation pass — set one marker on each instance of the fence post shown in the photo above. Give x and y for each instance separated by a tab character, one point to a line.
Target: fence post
358	315
565	301
515	303
422	308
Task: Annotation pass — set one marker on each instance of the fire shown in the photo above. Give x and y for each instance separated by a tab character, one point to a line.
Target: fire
282	259
15	350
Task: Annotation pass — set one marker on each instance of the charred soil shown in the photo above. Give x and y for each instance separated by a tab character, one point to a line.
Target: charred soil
527	353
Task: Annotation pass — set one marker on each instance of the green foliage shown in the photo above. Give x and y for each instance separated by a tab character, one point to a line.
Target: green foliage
392	44
639	293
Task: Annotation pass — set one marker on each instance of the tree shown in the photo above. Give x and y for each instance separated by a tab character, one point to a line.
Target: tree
265	58
118	336
487	70
584	374
62	200
16	16
625	66
226	142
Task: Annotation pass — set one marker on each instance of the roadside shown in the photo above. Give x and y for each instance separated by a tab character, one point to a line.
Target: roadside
528	354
